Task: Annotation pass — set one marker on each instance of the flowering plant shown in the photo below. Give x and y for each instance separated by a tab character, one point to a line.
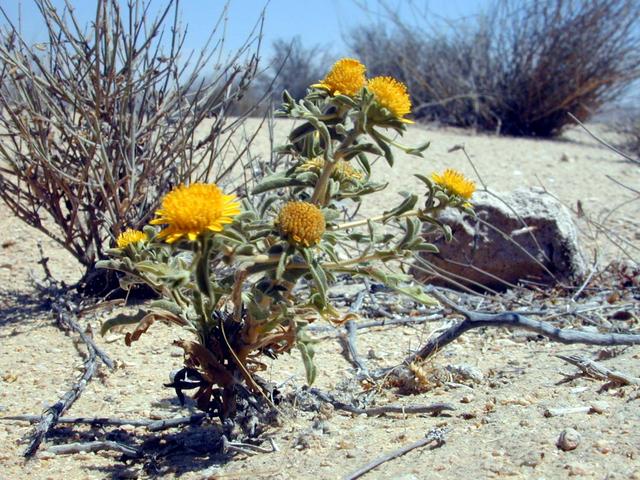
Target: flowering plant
246	276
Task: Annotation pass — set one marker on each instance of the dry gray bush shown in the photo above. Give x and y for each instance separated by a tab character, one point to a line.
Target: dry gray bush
98	123
518	68
293	67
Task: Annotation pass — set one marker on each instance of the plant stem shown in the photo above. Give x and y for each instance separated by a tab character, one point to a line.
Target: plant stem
364	221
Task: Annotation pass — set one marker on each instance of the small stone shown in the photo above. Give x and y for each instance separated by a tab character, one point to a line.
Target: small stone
598	406
603	446
466	372
346	445
569	439
577	469
373	355
522	401
530	459
326	411
467	399
9	377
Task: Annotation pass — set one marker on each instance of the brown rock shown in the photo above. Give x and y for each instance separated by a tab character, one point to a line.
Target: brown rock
521	235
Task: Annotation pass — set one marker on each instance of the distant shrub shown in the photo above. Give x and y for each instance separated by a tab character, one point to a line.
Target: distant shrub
519	68
630	128
293	67
97	124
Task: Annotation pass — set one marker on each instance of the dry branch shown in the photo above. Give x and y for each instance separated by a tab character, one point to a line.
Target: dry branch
599	372
64	310
105	120
512	320
93	447
150	425
435	436
50	416
434	408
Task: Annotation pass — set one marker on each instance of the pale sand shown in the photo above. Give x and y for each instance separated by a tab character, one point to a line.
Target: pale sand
502	432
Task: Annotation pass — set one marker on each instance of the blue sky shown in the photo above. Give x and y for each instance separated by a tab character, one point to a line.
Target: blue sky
321	22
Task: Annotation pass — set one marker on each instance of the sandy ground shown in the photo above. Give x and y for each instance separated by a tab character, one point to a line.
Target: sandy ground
497	430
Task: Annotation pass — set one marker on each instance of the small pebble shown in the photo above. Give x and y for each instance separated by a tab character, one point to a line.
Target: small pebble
467	399
577	469
599	406
603	446
569	439
346	445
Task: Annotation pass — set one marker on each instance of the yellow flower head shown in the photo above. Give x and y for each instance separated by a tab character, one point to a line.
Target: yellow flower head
455	183
302	223
130	236
189	211
392	95
342	172
346	77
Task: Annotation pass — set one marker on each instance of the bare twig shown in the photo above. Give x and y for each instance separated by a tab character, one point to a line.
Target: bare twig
246	448
599	372
350	340
151	425
50	415
435	436
93	447
601	141
511	320
67	322
435	408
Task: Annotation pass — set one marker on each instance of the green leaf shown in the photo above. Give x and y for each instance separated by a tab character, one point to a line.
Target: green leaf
426	180
306	350
417	151
406	205
122	319
395	281
319	277
388	154
364	163
278	180
167	305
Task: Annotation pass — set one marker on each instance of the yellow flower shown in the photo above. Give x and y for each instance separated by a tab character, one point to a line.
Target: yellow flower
392	95
346	77
342	172
192	210
301	222
130	236
455	183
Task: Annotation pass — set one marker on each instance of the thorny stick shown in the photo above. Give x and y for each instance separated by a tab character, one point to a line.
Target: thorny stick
434	436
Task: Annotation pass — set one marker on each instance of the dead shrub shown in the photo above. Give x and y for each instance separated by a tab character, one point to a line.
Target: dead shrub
518	68
99	123
294	67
